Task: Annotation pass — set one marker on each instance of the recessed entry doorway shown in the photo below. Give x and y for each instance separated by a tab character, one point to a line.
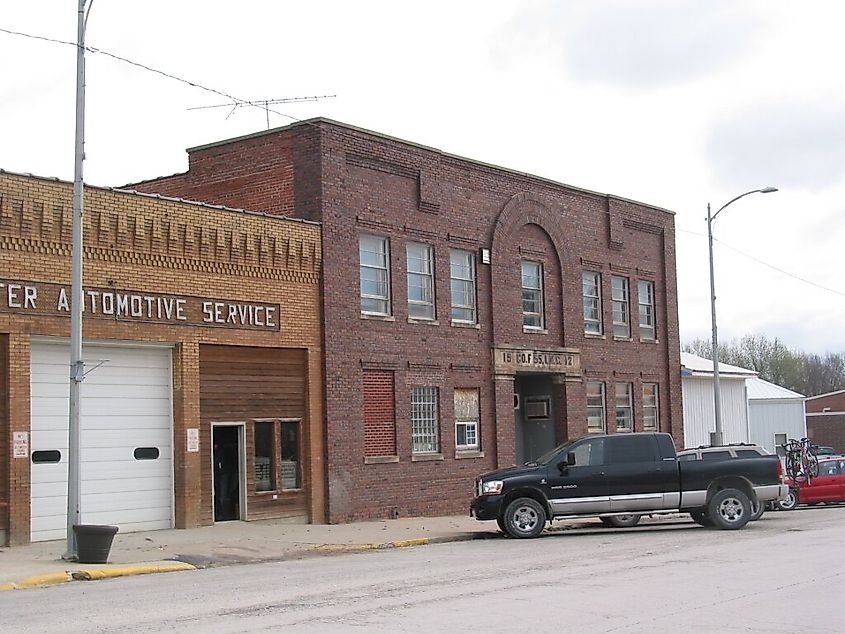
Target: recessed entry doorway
533	415
228	472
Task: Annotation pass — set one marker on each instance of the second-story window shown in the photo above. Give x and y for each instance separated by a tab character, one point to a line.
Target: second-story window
645	298
591	284
651	411
595	408
374	254
532	295
420	281
621	309
462	272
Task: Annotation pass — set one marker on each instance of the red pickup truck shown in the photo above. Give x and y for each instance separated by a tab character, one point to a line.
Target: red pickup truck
827	486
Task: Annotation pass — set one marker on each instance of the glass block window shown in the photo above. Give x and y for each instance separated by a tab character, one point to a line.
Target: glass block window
425	432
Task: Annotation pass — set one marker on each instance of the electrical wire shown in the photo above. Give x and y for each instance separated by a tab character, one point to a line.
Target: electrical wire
235	100
766	264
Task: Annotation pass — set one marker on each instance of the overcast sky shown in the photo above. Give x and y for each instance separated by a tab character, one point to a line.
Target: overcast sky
676	103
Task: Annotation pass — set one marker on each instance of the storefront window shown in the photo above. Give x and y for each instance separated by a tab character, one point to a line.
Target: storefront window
265	476
290	456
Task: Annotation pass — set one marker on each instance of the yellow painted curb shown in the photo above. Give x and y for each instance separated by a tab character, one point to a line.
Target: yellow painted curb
91	574
7	586
344	547
50	579
404	543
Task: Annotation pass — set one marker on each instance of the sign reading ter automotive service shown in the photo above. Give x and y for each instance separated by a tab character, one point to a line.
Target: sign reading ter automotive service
47	299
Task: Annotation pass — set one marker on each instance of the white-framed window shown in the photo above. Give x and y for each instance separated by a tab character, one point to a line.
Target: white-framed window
596	422
651	409
466	418
462	274
621	309
591	285
532	295
374	254
624	407
645	299
425	430
420	280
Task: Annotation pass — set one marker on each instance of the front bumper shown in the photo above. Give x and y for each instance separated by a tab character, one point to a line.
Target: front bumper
486	507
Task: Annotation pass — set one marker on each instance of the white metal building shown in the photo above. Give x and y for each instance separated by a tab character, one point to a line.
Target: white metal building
697	387
775	414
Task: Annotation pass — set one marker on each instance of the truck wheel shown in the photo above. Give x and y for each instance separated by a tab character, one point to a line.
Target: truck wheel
620	521
757	510
524	518
700	518
729	509
790	503
501	522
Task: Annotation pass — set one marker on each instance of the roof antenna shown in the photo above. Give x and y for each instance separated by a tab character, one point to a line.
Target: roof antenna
264	104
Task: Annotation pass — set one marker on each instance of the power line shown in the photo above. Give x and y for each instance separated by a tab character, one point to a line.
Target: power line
235	100
766	264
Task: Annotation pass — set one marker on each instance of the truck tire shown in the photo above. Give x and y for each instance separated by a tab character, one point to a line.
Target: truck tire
525	518
757	510
790	503
700	518
620	521
729	509
501	523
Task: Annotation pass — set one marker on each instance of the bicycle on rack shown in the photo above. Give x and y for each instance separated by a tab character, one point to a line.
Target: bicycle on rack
801	462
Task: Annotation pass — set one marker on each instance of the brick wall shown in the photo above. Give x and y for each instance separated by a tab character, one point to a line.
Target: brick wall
146	244
369	183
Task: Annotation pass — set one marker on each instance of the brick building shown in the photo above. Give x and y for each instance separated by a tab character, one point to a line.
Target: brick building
474	316
202	344
826	419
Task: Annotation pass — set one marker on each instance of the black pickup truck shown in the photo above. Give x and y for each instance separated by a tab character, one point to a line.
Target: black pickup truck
620	477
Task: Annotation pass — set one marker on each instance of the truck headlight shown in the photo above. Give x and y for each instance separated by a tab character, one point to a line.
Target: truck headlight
491	487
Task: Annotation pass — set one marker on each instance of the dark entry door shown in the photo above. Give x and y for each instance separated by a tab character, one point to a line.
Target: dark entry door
227	472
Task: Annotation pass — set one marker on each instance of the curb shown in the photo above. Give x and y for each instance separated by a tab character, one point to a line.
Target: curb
92	574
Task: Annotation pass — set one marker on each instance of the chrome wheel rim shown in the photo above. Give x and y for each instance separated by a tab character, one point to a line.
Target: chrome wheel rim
525	519
731	509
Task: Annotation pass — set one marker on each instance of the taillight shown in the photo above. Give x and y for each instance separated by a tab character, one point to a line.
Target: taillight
780	472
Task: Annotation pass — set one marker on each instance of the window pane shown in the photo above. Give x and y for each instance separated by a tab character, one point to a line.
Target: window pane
425	433
651	416
420	281
591	290
645	292
290	456
462	267
595	407
624	409
630	449
374	277
265	475
532	294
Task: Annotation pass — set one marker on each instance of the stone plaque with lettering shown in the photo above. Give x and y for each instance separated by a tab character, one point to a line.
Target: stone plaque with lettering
513	359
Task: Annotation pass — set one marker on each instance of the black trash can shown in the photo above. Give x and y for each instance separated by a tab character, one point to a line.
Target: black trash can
93	542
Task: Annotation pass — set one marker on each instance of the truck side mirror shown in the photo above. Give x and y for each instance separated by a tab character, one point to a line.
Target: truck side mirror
570	459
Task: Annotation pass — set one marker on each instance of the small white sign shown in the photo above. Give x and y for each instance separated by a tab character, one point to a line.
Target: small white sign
193	440
21	444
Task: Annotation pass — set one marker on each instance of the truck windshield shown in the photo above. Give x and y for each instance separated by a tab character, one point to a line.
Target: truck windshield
546	458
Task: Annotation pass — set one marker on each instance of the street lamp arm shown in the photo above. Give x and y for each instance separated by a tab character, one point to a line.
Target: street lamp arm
763	190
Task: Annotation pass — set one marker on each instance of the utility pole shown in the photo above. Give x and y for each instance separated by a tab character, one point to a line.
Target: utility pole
77	370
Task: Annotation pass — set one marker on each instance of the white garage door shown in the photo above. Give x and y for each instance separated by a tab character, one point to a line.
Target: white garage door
126	452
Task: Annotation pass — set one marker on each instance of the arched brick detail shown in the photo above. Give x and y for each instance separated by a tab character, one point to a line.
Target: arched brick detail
524	209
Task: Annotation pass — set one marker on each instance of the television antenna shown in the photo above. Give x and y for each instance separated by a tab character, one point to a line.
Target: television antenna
264	104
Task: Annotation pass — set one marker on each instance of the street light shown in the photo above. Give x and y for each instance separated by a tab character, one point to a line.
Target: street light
716	437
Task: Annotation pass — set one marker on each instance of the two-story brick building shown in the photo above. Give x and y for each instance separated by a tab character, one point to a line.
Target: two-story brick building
474	316
826	419
202	399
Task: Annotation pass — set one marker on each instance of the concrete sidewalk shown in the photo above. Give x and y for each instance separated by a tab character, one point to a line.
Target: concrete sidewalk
228	543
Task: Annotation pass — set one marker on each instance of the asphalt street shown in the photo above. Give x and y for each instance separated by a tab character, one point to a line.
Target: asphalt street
781	574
